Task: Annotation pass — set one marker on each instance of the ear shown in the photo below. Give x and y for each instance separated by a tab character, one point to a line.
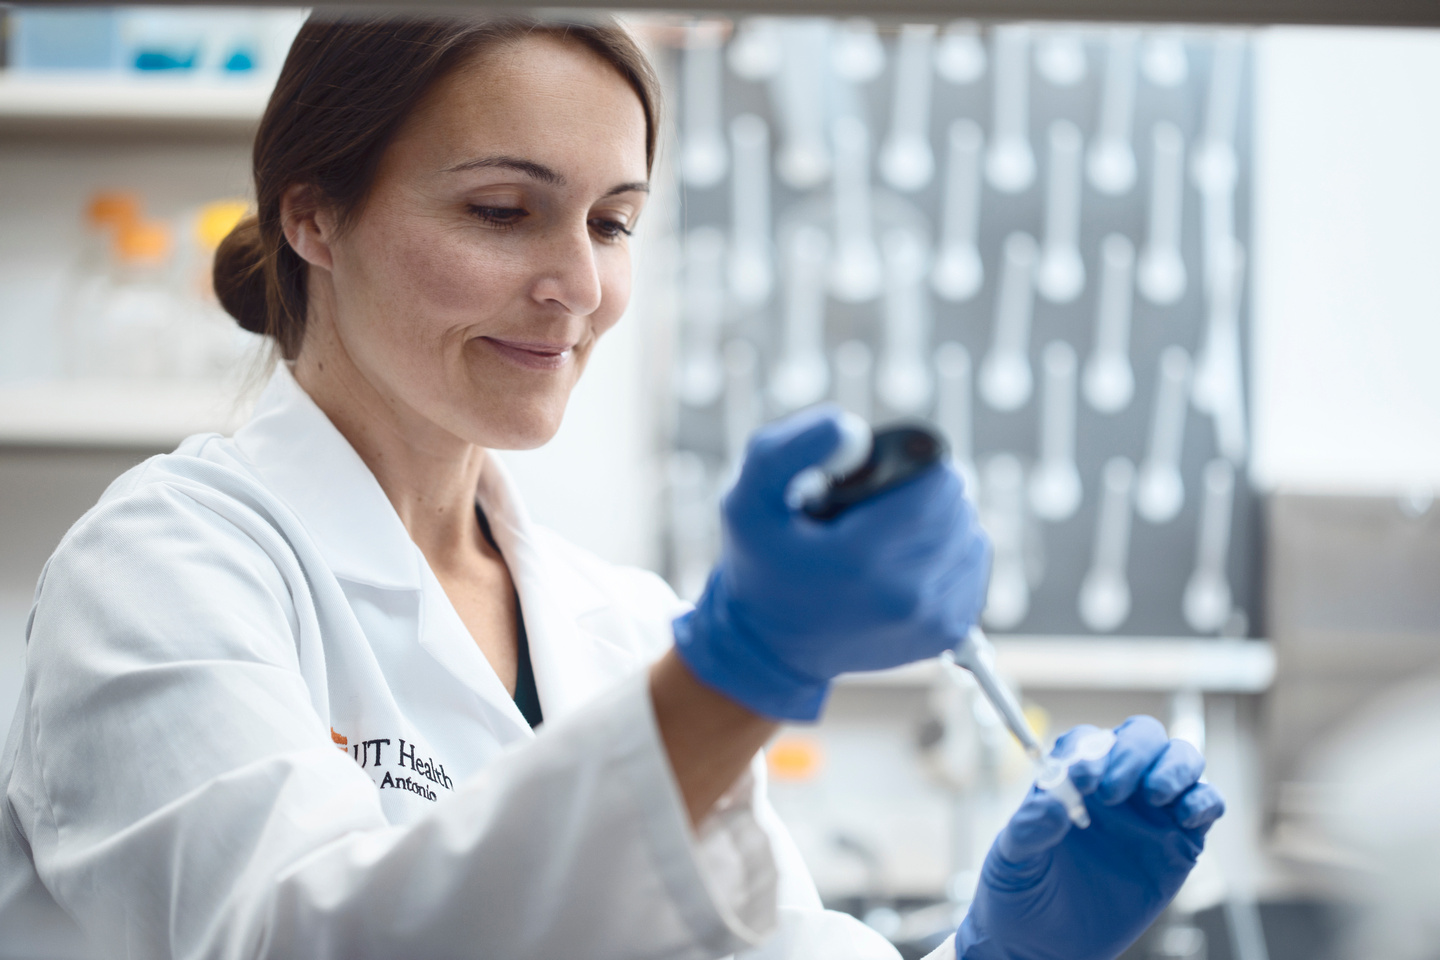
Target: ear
308	224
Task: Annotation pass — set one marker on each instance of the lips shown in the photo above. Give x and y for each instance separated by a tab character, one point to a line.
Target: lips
532	354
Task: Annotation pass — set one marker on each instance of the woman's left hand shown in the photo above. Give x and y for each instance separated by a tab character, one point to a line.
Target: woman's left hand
1051	891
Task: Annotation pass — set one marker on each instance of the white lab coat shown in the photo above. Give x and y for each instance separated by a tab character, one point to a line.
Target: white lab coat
253	725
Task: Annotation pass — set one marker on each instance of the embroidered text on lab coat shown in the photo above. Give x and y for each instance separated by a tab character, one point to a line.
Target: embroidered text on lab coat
371	753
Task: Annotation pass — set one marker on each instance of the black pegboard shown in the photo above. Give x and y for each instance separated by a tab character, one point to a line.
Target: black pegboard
1161	557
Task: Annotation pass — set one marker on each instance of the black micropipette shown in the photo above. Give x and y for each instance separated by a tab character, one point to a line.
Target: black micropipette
899	453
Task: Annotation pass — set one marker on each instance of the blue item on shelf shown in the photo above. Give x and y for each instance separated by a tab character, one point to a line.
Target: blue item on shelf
148	60
241	60
65	39
159	40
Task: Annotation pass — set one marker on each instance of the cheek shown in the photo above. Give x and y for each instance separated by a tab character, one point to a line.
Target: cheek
426	280
615	288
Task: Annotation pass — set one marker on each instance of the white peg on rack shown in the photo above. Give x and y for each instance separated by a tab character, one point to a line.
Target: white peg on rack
906	160
1163	60
801	376
958	271
701	377
1207	602
1111	164
742	400
756	52
692	512
855	271
1010	163
1161	276
954	412
853	362
1105	591
960	55
1214	163
703	158
857	54
1109	381
1008	599
1219	387
1060	56
804	158
903	379
1061	275
752	271
1055	489
1160	489
1005	377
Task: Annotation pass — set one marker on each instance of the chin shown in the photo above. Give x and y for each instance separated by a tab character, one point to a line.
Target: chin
518	429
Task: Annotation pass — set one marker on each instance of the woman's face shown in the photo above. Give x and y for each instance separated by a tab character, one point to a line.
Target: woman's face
493	250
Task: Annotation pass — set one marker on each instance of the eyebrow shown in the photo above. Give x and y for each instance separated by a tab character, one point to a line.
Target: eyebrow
540	172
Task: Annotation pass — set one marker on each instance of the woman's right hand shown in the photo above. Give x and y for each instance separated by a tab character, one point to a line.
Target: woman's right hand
794	602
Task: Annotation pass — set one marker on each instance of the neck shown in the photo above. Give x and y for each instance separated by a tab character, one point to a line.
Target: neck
428	474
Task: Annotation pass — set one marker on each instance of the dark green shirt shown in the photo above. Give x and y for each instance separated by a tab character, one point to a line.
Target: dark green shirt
527	698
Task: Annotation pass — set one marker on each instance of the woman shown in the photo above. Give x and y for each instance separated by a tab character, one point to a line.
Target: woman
282	688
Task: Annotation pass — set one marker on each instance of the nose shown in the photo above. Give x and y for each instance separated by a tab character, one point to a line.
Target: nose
568	272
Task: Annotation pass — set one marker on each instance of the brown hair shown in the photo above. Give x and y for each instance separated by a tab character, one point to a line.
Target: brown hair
345	89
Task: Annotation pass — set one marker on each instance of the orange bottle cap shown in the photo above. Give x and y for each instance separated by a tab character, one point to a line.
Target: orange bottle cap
145	241
112	208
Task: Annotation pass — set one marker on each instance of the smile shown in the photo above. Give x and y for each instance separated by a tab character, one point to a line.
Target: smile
535	356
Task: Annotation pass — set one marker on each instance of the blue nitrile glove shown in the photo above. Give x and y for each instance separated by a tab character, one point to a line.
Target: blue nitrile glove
793	601
1051	891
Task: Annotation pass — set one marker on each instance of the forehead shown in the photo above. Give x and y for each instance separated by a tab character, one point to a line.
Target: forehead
542	98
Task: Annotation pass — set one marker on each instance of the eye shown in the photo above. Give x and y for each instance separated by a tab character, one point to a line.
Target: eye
500	216
609	229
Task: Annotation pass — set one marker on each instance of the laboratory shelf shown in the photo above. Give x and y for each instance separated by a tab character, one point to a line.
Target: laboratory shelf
98	102
141	414
1163	664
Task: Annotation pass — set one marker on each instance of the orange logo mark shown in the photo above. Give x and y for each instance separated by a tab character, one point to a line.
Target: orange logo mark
341	742
795	758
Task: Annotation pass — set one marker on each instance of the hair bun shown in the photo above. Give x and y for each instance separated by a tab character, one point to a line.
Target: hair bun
239	277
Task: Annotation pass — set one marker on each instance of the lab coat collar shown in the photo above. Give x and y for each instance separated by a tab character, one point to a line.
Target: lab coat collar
517	538
572	662
312	467
305	460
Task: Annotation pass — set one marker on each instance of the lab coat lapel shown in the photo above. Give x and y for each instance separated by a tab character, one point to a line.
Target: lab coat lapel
573	661
446	638
305	460
313	468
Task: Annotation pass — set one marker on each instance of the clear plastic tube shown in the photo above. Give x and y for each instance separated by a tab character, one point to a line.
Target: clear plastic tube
1052	774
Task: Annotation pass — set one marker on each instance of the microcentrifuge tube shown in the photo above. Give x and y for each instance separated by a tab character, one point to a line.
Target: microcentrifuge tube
1053	772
